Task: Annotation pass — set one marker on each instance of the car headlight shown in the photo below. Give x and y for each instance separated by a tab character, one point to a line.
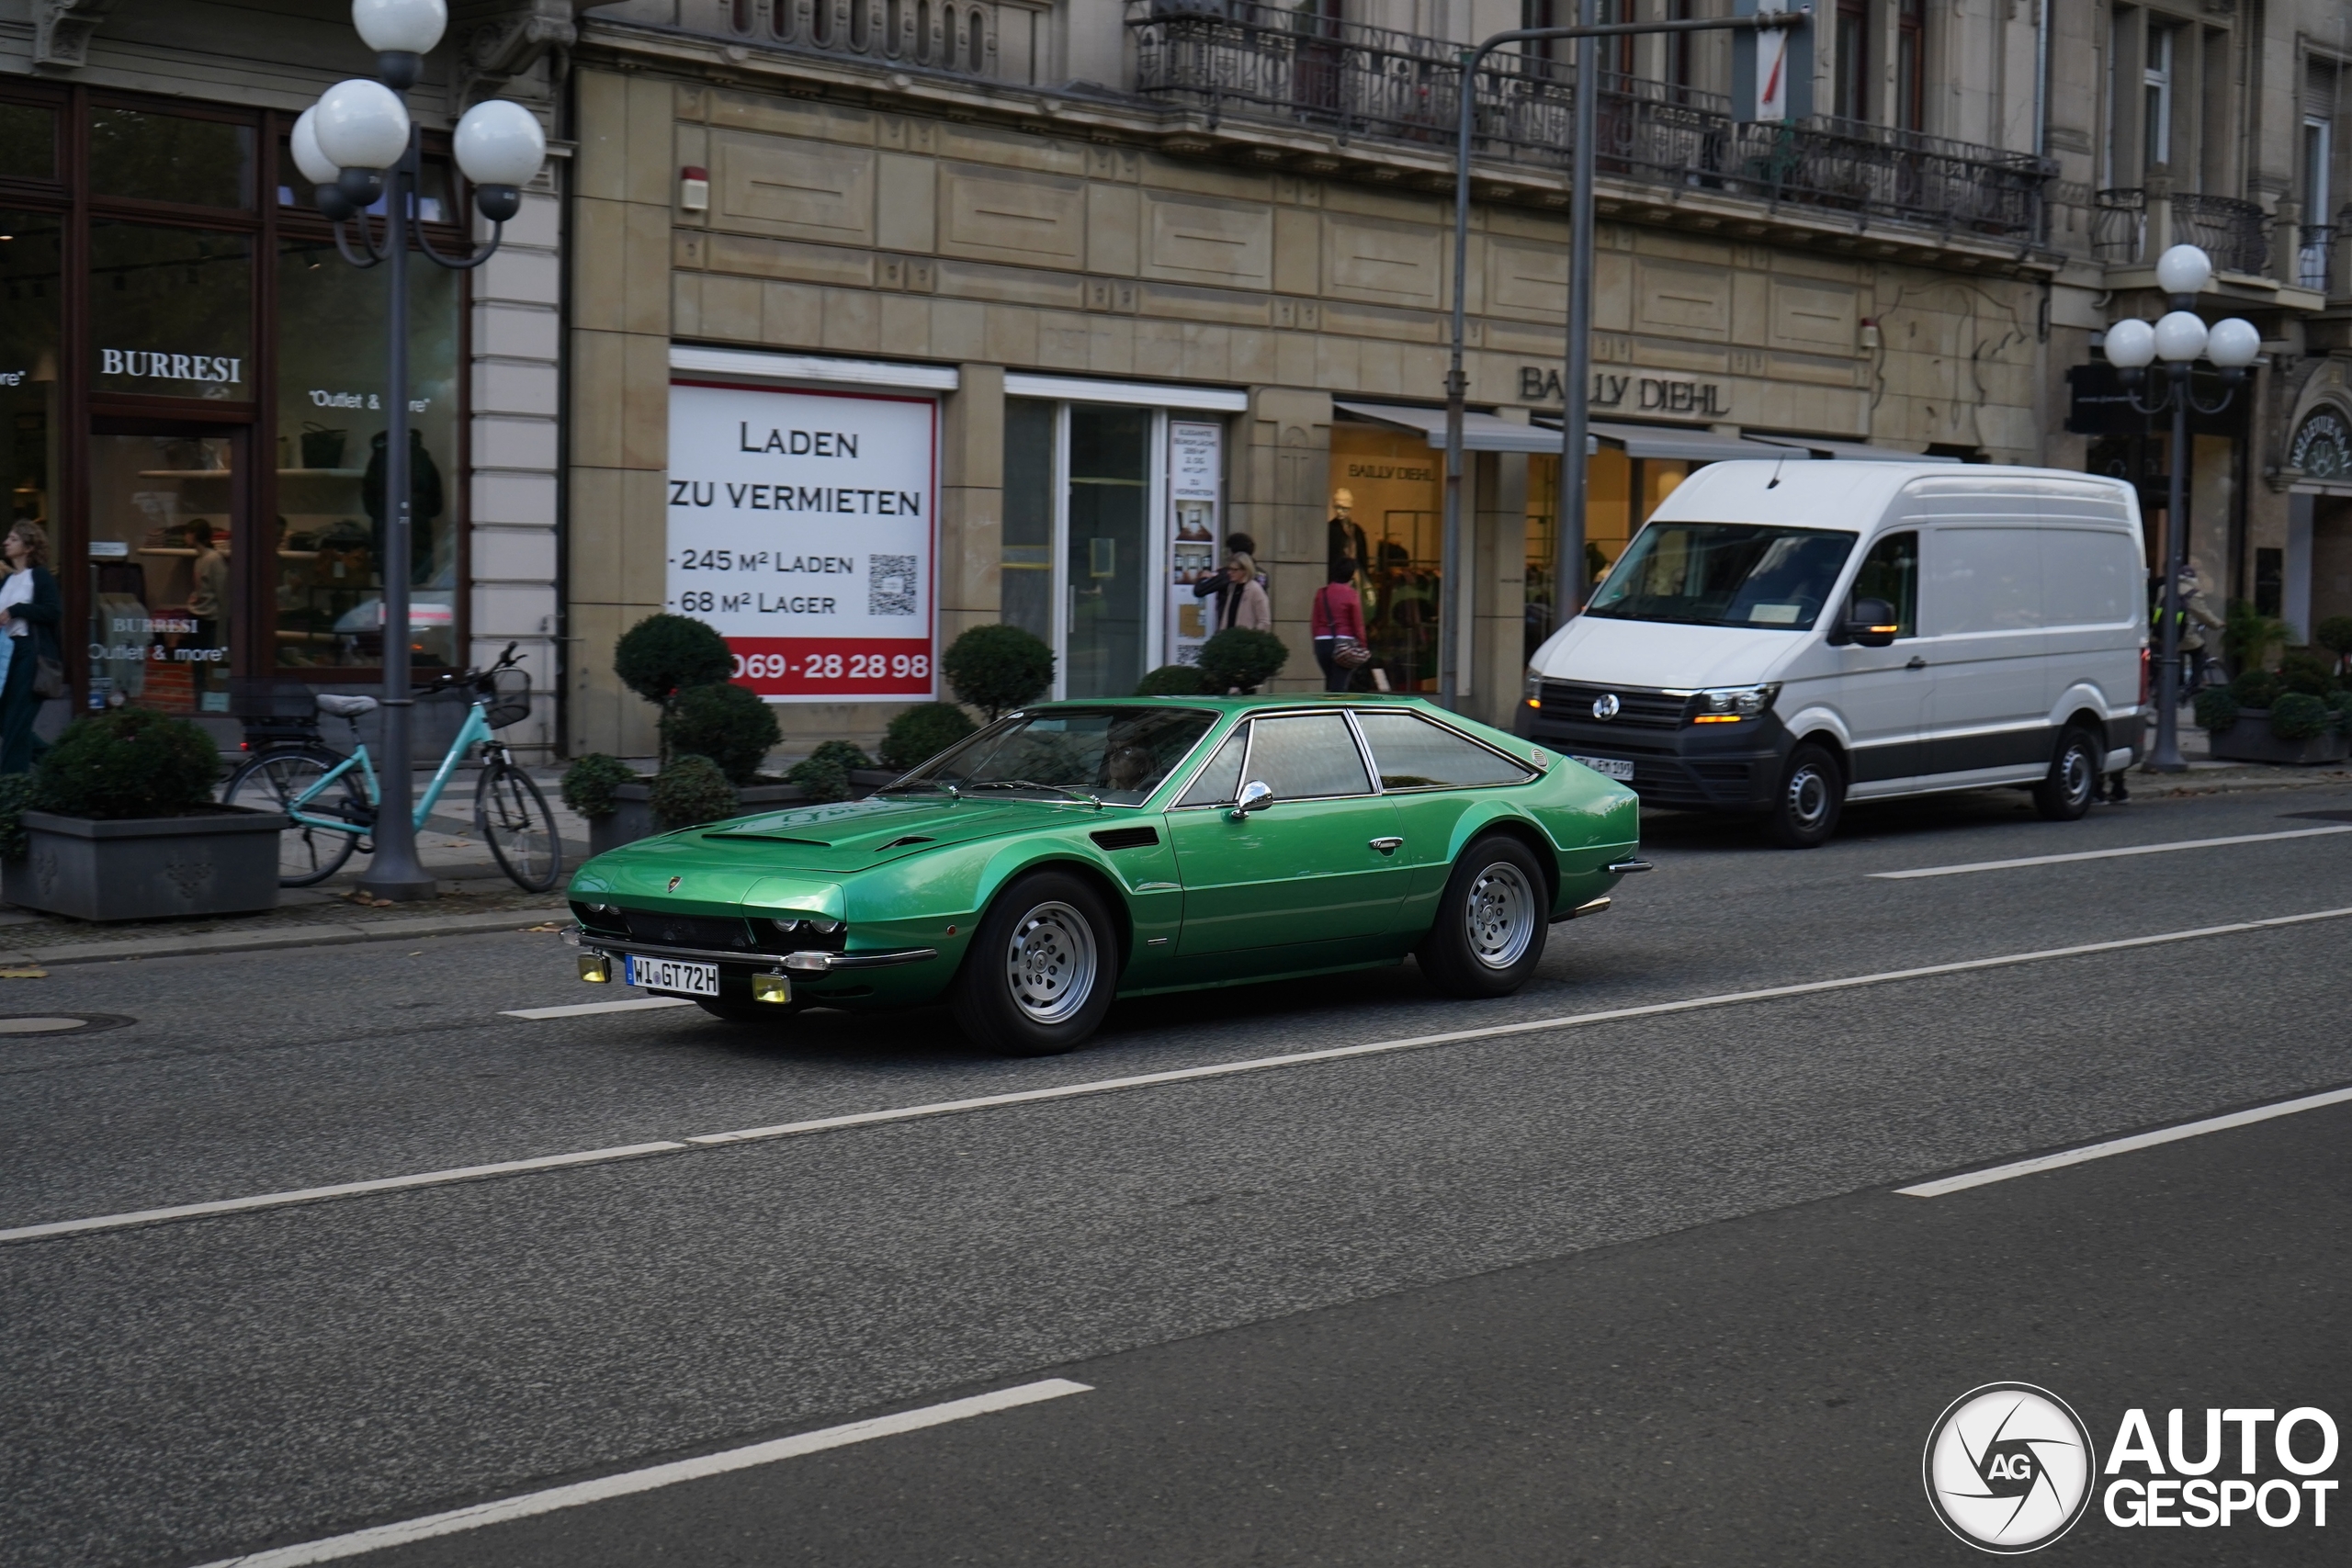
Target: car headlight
1533	688
1732	704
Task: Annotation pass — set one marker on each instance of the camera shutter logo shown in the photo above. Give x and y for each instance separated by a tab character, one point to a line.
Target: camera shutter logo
1605	706
2008	1468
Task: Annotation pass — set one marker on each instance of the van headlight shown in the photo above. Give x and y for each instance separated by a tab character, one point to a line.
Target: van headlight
1533	688
1732	704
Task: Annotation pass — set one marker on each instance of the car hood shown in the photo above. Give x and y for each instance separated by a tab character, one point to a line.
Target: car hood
851	836
1662	655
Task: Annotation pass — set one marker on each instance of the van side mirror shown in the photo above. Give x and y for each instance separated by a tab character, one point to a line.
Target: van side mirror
1869	623
1256	796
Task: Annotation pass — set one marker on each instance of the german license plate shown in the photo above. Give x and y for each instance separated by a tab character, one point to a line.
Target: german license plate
671	974
1608	768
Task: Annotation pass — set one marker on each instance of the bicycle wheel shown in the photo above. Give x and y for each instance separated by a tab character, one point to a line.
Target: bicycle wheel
273	781
512	818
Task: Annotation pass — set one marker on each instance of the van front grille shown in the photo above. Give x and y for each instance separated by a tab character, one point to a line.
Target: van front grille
1637	709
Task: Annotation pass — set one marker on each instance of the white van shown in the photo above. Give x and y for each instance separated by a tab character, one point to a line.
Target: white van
1784	637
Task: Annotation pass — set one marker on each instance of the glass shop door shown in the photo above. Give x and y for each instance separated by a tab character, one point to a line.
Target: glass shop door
165	597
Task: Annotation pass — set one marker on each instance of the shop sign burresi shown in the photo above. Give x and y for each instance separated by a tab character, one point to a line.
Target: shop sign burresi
156	365
802	525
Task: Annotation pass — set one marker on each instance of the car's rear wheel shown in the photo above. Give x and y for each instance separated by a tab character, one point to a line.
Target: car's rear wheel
1491	921
2073	781
1042	969
1813	792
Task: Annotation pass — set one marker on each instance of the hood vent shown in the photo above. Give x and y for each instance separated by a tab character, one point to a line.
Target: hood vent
903	844
1125	837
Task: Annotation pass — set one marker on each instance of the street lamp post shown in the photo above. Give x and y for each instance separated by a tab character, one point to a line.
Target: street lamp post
1576	381
2179	339
357	146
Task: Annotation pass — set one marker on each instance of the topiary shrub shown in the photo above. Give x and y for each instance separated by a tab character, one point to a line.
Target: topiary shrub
588	785
2298	715
998	666
2339	702
2216	709
2255	689
128	761
824	773
662	655
2249	636
690	791
15	794
2307	672
727	724
2335	634
1239	660
1172	681
918	734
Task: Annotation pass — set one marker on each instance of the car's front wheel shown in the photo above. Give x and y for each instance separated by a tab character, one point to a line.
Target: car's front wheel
1041	968
2066	792
1812	793
1491	921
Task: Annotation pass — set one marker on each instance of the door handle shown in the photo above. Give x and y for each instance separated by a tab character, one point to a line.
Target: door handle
1386	846
1917	663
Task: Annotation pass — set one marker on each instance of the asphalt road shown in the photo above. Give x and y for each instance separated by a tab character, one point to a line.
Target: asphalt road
1345	1312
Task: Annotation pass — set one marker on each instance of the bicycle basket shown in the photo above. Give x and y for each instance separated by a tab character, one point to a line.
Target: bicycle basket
509	697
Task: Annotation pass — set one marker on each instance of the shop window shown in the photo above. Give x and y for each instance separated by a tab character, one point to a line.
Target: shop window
1620	494
171	311
1025	592
435	181
328	530
161	585
1109	566
27	141
1395	491
169	157
30	286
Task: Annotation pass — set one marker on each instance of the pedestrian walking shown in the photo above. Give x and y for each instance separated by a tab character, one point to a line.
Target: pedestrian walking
1244	603
1337	627
30	611
2197	618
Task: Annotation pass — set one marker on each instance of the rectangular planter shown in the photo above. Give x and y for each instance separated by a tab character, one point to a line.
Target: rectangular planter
632	818
2250	740
221	862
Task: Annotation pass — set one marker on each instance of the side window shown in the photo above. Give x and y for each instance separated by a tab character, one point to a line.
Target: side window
1413	753
1307	756
1891	571
1984	579
2088	577
1221	780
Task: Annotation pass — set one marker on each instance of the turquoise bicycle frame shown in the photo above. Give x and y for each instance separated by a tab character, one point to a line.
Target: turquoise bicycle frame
473	733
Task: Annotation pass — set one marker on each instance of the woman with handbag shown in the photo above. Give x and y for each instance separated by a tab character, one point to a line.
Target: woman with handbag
31	610
1337	625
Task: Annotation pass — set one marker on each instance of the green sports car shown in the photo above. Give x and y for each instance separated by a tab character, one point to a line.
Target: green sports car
1076	851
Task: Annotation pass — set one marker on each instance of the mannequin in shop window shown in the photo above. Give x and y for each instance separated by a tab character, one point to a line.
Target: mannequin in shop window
1347	540
425	503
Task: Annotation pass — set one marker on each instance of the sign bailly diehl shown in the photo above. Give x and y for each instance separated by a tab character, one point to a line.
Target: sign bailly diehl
803	525
1631	394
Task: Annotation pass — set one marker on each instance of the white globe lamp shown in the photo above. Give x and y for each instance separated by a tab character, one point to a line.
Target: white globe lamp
315	165
2184	269
360	124
400	27
499	147
2234	345
2130	344
2180	337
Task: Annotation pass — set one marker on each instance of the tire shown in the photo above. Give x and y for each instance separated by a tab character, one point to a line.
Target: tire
747	1012
2072	782
306	855
1491	921
1042	969
1811	798
513	818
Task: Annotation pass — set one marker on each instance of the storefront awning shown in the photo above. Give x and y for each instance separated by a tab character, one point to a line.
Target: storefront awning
1480	432
1679	446
1850	451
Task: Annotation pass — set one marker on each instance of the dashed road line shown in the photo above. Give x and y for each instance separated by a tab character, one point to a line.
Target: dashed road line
2103	855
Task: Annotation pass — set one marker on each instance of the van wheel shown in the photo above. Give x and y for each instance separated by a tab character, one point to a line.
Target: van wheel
1041	968
1813	792
1491	921
2067	793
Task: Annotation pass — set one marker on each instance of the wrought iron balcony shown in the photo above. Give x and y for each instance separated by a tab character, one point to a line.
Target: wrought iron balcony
1247	61
2315	256
2234	232
994	39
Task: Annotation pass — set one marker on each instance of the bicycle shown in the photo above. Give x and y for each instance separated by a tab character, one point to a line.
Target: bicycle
331	799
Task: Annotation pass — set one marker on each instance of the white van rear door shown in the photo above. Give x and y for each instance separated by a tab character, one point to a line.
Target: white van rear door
1988	713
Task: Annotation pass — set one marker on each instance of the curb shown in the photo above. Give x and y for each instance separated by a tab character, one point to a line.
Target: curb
323	935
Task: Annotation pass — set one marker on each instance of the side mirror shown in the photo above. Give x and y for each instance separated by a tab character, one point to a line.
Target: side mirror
1256	796
1869	623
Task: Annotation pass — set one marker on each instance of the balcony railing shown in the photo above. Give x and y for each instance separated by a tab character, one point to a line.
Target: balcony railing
2120	227
2315	254
997	40
1243	59
2228	229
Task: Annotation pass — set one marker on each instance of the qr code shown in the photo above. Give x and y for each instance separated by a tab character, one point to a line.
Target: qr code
889	585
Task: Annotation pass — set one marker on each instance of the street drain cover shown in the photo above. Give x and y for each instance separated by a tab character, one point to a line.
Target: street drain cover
59	1022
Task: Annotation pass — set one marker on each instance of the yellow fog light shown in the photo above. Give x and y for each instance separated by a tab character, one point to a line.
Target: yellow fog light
595	968
771	989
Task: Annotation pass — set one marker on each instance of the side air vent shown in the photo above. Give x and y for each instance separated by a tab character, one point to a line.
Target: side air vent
1125	837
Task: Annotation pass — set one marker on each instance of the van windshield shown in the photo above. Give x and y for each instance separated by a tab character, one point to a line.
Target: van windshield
1724	574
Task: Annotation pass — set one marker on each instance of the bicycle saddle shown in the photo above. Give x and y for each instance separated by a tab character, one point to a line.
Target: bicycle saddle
342	706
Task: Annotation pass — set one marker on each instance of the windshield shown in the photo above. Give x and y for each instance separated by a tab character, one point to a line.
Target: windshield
1114	755
1724	574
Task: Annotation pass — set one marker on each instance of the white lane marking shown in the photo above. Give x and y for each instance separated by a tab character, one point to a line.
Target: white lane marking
2103	855
1185	1075
655	1476
342	1189
582	1010
1937	1188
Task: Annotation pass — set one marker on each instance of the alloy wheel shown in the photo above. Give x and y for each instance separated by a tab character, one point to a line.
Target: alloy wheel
1501	916
1050	963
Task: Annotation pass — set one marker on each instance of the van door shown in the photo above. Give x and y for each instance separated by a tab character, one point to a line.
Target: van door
1988	714
1882	692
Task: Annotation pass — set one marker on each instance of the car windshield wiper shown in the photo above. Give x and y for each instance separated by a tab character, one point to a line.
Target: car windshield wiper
932	786
1032	783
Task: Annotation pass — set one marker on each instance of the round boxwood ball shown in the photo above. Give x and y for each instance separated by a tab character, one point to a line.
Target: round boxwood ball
1172	681
2299	715
662	655
692	790
126	763
727	724
918	734
588	783
998	666
1238	658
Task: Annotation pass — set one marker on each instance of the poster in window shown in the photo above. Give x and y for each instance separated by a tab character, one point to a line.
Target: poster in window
804	525
1195	473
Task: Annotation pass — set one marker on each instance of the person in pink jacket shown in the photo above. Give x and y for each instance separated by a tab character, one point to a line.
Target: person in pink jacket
1337	625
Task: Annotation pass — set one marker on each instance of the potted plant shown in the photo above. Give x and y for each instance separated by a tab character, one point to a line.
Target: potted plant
2261	718
119	823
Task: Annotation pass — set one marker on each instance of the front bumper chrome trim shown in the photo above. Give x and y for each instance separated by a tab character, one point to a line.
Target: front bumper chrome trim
789	963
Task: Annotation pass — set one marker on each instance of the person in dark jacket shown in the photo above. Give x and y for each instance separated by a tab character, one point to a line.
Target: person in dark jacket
31	612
